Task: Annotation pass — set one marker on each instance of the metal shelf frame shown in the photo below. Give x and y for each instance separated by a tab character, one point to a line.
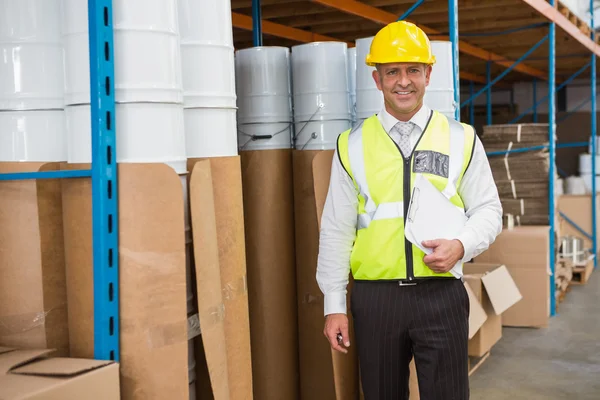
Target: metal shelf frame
553	145
103	174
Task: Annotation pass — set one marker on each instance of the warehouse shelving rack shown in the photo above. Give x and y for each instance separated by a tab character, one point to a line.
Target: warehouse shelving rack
478	67
103	174
479	61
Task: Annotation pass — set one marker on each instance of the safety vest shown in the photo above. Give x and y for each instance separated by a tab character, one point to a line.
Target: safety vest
384	180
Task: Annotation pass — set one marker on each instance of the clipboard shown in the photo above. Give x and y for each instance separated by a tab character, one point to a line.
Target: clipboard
431	215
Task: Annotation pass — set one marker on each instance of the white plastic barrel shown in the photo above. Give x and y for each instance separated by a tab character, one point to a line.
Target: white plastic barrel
33	136
319	135
369	99
31	63
146	133
210	132
146	50
263	84
439	94
585	163
352	81
265	136
207	53
577	184
320	84
587	180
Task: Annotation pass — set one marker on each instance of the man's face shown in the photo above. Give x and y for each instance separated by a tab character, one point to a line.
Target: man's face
403	86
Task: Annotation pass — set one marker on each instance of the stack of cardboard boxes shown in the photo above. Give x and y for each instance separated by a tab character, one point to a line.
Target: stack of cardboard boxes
521	171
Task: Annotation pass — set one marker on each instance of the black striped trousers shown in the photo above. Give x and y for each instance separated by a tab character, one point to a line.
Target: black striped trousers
429	321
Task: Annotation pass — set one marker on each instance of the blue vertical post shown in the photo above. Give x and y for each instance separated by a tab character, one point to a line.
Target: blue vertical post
489	92
593	133
104	182
534	84
472	104
410	10
552	151
257	23
453	22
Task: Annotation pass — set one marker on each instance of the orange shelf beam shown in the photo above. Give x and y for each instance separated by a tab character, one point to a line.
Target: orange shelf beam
544	8
271	28
383	17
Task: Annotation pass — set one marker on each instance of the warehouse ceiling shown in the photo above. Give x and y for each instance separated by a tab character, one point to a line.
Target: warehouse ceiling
500	30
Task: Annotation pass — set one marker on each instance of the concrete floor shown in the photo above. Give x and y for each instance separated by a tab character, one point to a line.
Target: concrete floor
560	362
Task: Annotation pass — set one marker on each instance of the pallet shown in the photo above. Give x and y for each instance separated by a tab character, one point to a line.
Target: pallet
582	273
477	362
574	19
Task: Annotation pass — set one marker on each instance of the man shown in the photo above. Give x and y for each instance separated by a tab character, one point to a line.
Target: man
404	303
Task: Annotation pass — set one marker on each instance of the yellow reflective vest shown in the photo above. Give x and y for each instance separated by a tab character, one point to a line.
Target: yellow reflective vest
384	180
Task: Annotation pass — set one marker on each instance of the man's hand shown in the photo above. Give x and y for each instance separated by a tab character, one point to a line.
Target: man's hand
337	324
446	253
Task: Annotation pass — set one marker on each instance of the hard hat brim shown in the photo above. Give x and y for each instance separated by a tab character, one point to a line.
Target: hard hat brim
371	61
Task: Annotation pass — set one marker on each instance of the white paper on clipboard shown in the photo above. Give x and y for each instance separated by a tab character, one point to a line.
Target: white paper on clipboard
431	215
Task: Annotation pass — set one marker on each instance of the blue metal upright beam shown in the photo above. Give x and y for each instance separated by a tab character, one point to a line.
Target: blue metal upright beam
453	25
472	105
535	118
506	71
410	10
104	182
593	141
552	154
257	35
488	99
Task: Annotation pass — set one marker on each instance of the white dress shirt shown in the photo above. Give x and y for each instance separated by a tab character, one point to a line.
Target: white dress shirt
338	223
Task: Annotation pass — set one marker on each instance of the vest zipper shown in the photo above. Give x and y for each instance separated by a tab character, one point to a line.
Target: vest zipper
410	273
407	244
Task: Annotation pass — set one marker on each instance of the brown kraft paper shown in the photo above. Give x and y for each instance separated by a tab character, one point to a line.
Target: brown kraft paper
33	298
77	219
345	366
212	353
153	319
318	377
269	225
227	186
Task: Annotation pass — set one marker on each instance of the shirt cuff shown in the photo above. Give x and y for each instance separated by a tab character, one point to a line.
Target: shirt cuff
469	243
335	303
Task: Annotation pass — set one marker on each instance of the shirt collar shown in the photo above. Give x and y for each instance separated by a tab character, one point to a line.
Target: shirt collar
420	118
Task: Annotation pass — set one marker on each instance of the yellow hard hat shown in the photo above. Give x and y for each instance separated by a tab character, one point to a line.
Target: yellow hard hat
400	41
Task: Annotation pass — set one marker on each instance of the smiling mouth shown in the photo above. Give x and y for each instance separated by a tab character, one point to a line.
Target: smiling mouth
403	93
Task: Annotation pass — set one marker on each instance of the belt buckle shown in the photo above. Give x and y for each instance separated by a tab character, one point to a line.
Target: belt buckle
405	283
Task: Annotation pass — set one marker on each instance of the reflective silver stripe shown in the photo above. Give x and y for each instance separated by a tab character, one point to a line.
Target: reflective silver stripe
383	211
357	164
457	150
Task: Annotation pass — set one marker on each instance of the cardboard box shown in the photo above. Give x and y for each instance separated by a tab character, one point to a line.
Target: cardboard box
496	291
32	375
525	252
